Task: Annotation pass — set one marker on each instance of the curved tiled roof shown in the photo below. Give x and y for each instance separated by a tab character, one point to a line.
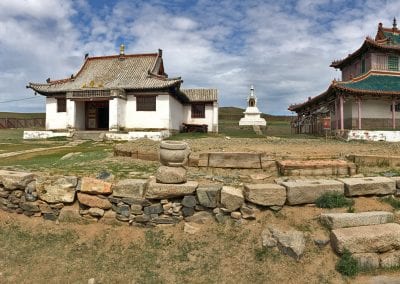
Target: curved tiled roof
200	95
132	72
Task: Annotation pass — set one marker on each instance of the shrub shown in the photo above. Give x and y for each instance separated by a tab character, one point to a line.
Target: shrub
333	200
395	203
347	265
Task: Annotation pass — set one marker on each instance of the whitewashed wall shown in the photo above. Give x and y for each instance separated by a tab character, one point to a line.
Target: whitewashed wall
117	113
54	120
176	113
80	122
208	119
373	109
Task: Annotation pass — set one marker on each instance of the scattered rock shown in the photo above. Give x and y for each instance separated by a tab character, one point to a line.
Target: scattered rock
221	218
289	242
321	243
231	198
267	239
248	213
70	155
95	186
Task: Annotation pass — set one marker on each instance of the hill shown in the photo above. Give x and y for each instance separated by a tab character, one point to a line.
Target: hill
235	113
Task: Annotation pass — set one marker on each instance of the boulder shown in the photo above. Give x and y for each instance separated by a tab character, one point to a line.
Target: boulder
209	195
95	186
344	220
15	180
231	198
308	191
130	188
366	239
269	194
96	212
290	242
57	189
160	191
369	186
166	174
93	201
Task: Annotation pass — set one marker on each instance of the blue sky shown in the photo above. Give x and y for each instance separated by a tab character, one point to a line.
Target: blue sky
283	48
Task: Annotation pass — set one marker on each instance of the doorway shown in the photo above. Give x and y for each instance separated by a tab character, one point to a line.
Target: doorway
97	115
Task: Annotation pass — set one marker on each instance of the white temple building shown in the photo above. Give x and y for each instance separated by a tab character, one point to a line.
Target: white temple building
252	113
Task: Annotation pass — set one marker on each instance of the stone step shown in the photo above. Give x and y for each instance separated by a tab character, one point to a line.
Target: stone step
89	135
368	186
366	239
308	191
344	220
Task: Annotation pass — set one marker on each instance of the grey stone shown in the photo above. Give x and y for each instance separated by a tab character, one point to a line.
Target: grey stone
122	218
96	212
115	200
276	208
57	189
367	260
122	209
290	242
268	194
142	218
187	211
161	191
130	188
189	201
221	218
344	220
171	175
202	217
49	216
321	243
165	220
26	213
31	187
30	197
153	209
308	191
231	198
267	239
136	209
29	206
57	206
15	180
248	212
209	196
368	186
4	193
365	239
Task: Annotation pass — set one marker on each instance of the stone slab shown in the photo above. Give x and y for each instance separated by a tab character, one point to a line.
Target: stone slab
15	180
366	239
94	201
267	194
56	189
236	160
160	191
368	186
344	220
130	188
95	186
308	191
231	198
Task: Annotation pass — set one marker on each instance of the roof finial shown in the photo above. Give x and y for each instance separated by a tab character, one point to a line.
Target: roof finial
394	23
251	91
122	49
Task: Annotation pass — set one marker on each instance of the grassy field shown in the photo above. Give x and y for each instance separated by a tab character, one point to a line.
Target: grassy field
21	115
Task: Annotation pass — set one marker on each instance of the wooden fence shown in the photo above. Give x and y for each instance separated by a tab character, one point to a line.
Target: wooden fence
22	122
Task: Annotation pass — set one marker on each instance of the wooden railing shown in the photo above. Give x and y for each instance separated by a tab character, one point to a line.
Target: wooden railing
22	122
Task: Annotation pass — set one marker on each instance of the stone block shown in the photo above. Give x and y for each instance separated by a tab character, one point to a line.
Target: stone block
308	191
397	180
96	212
234	160
368	186
95	186
189	201
366	239
56	189
93	201
70	213
268	194
209	195
367	260
172	175
390	259
231	198
160	191
344	220
130	188
15	180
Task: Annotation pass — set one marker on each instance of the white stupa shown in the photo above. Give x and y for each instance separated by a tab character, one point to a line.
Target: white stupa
252	114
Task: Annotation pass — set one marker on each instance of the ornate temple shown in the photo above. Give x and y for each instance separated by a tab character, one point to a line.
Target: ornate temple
368	95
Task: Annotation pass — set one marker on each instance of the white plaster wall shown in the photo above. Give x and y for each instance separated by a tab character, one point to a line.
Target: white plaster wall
347	109
373	109
208	119
54	119
176	113
80	115
147	119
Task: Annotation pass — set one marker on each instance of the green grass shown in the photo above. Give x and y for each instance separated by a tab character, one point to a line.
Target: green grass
21	115
333	200
347	265
394	202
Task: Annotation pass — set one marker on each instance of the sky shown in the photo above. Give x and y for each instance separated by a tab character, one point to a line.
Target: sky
283	48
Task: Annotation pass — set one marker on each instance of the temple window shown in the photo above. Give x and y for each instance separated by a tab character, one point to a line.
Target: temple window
251	103
198	110
146	103
393	63
61	105
396	107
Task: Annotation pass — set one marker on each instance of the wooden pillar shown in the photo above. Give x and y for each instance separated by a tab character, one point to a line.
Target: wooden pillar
336	115
359	113
341	112
393	113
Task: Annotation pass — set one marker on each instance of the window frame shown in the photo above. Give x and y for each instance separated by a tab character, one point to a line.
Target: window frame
61	104
146	103
393	63
198	113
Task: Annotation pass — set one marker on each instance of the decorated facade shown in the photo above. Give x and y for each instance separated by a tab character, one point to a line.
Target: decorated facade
368	95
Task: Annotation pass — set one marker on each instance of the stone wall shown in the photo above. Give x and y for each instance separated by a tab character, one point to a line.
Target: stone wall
145	202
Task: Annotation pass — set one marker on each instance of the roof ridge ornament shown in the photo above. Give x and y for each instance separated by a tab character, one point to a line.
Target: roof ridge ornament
394	24
122	50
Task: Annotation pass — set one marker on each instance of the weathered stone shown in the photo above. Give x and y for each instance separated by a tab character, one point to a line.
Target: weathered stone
15	180
231	198
153	209
190	229
308	191
368	186
165	220
142	218
130	188
115	200
365	239
136	209
209	196
95	186
199	208
13	199
344	220
290	242
57	206
30	206
202	217
93	201
56	189
96	212
122	209
4	193
221	218
171	175
122	218
50	216
236	215
30	197
268	194
267	239
383	279
321	243
26	213
248	213
44	207
275	208
109	218
397	180
367	260
17	193
187	211
390	259
189	201
31	187
161	191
